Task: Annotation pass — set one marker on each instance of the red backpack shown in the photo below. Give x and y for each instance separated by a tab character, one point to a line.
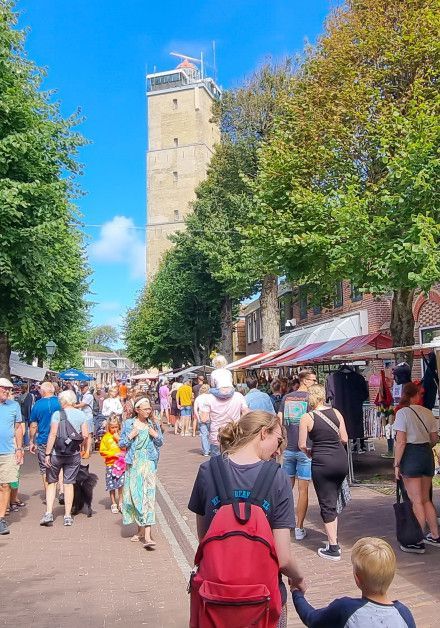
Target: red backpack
235	582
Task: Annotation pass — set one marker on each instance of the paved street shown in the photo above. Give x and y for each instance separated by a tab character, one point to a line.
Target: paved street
91	574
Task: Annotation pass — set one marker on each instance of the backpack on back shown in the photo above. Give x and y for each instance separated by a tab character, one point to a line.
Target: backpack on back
68	440
235	582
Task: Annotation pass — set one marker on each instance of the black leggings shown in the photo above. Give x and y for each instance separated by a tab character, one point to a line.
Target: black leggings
328	474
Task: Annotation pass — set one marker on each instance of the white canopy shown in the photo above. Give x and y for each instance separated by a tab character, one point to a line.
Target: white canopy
25	371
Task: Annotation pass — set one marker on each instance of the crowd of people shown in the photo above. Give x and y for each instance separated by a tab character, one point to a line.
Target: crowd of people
286	423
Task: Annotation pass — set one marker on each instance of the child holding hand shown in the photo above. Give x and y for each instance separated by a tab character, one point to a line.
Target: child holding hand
112	454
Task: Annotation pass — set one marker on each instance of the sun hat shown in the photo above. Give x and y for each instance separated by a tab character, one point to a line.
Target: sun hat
5	383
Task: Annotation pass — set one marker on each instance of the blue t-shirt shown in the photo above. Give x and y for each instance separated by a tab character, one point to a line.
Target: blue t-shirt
75	416
10	414
41	414
258	400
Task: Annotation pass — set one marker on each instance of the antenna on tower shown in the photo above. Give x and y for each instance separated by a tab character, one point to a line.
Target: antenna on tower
180	56
214	61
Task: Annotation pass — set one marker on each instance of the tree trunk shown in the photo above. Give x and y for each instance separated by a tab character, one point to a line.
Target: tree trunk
270	318
227	327
5	354
402	322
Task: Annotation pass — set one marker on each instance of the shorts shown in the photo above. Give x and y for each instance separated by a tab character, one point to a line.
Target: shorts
185	411
69	464
417	461
91	426
8	469
41	455
164	406
297	465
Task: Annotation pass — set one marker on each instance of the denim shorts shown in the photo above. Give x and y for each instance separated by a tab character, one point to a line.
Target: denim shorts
185	411
297	465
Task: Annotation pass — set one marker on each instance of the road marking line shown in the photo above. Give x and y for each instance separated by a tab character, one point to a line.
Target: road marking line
175	547
177	516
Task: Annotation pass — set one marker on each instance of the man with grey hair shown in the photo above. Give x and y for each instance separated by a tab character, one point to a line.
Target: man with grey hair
41	415
57	458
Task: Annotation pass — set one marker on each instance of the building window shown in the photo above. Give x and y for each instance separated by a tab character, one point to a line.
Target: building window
261	325
175	177
176	214
174	103
285	306
339	295
356	295
176	141
317	310
303	302
249	329
429	334
254	326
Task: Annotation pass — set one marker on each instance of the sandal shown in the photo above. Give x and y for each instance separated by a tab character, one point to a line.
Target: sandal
19	504
114	509
14	507
150	544
135	538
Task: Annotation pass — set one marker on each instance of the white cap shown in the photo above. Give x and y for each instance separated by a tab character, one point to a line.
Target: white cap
5	383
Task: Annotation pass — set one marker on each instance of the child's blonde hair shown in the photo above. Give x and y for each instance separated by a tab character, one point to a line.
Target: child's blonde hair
113	419
374	563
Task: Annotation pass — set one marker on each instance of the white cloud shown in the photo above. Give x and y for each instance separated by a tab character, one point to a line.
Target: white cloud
120	242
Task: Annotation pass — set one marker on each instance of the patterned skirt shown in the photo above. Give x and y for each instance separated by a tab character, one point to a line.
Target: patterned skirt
112	483
139	496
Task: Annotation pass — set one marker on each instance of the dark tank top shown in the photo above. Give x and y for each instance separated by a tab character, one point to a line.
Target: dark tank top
325	439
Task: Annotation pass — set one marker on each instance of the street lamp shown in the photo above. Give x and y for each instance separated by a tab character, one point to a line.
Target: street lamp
50	350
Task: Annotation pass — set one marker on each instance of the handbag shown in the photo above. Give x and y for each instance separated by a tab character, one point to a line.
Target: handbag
408	530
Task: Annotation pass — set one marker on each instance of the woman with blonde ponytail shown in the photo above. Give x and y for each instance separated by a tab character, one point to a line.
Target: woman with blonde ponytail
245	445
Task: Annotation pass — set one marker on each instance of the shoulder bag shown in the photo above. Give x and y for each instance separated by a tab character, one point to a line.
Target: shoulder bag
344	494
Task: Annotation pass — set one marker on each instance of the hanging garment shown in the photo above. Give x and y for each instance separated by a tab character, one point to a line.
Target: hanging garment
347	390
430	381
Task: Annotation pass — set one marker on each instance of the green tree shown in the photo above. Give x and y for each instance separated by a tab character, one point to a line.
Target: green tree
101	337
177	317
348	182
42	260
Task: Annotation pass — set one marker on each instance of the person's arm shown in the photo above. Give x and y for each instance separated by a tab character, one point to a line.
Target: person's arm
398	451
156	435
342	429
196	413
286	561
200	521
51	442
19	454
305	425
434	438
33	428
178	400
335	614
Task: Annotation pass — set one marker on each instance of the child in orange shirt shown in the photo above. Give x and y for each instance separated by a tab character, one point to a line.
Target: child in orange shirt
111	452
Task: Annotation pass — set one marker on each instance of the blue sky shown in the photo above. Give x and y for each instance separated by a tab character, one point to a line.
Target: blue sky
97	54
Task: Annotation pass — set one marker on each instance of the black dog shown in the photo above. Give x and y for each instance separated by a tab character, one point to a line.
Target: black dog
83	490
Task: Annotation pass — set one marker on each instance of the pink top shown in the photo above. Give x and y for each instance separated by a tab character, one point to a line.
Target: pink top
221	411
164	391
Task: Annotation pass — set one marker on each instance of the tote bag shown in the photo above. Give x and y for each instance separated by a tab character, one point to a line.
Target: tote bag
408	530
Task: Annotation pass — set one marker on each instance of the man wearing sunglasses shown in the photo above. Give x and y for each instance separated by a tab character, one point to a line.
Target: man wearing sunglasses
297	465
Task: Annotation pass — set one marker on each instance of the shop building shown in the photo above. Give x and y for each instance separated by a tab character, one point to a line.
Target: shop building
107	367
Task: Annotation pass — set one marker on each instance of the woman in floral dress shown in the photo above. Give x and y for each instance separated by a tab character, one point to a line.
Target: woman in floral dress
142	438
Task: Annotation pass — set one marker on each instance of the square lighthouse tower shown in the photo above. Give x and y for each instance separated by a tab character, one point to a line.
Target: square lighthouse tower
181	138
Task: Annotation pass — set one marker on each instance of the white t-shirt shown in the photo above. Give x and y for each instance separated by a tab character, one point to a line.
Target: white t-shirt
201	404
221	378
111	404
221	411
407	421
88	409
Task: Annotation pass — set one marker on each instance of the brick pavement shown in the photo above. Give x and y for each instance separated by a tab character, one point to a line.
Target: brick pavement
92	573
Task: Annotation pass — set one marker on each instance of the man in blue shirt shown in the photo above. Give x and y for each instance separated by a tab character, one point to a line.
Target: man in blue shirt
11	447
41	415
256	399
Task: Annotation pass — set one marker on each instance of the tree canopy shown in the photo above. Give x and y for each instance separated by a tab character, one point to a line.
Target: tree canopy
42	260
101	337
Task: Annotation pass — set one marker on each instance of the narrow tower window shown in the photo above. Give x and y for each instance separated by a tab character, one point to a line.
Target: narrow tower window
175	177
176	214
174	103
176	141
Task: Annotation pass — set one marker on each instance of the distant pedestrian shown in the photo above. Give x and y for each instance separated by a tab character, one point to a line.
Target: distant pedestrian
197	386
201	414
174	410
122	391
164	400
114	463
256	399
11	447
64	455
184	399
142	440
276	395
112	404
86	405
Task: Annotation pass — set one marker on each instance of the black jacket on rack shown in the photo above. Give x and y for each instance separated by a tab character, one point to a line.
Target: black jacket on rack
347	390
430	381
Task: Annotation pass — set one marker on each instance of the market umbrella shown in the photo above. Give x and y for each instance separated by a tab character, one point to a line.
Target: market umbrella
75	375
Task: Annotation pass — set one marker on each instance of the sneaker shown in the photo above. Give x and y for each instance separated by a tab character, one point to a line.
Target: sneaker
47	519
205	455
330	553
300	534
387	455
4	527
61	499
413	548
68	521
432	540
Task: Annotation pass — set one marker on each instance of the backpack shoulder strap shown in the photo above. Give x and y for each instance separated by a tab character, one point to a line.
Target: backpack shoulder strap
264	482
221	479
63	415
